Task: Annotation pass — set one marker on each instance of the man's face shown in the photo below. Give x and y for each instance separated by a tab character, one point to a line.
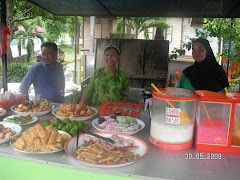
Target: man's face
49	56
198	52
111	57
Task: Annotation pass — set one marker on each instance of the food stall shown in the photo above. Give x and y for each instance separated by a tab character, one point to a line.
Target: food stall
155	164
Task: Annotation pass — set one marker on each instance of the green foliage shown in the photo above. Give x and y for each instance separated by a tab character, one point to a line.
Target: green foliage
25	11
71	24
15	72
24	37
21	6
218	27
53	29
234	81
231	56
177	52
139	24
223	27
188	45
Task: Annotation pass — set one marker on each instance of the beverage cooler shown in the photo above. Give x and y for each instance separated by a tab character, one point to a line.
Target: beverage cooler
218	122
173	119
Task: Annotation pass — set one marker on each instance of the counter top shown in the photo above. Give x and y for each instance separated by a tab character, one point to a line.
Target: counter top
156	164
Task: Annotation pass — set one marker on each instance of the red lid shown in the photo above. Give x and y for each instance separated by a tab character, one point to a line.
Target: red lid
178	94
205	95
234	96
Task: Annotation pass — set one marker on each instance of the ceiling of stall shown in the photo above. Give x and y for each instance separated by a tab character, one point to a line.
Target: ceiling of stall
142	8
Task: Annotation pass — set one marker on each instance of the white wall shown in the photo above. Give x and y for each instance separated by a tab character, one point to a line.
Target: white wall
15	52
188	32
175	24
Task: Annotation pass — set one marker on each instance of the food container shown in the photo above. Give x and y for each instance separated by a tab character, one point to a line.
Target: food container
173	118
7	104
126	109
218	122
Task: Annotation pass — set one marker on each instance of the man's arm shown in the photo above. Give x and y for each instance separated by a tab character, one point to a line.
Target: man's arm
27	81
62	84
84	98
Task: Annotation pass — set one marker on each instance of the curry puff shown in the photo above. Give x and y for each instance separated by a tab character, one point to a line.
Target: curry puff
40	139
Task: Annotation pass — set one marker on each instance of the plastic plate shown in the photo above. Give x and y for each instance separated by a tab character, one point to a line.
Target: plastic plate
75	118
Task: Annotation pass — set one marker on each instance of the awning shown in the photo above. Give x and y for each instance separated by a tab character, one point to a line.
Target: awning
142	8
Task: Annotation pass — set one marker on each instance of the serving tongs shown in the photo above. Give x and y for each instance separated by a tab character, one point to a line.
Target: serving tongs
108	140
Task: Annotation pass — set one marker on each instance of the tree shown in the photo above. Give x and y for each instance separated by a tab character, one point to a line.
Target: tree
221	28
53	29
24	37
71	26
22	10
139	24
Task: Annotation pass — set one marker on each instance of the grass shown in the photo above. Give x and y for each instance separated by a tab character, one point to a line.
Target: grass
32	62
69	52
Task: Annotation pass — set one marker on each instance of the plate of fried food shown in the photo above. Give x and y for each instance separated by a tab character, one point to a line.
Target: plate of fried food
37	108
7	130
38	140
78	112
95	152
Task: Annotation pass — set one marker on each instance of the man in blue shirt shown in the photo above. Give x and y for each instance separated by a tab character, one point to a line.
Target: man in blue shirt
47	76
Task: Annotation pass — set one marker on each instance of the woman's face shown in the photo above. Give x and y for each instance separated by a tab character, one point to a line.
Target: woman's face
111	58
198	52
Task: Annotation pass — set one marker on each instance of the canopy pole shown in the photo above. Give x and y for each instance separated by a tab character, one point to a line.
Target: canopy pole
4	56
229	46
123	30
92	33
75	64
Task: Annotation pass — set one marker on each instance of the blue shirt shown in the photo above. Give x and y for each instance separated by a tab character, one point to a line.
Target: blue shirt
49	83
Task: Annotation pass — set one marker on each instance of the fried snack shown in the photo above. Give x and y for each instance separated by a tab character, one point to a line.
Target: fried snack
42	133
97	153
40	139
52	137
37	106
74	110
2	135
6	132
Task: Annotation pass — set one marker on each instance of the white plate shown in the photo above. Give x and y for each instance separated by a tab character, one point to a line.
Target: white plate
41	153
14	127
75	118
142	124
70	147
2	111
33	113
34	119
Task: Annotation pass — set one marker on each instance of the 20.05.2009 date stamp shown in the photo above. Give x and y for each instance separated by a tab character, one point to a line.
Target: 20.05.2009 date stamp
203	156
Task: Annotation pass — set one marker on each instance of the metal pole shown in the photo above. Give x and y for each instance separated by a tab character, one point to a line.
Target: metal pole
220	58
124	22
4	56
92	33
75	65
229	46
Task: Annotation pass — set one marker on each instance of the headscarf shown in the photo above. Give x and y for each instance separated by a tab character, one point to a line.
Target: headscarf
208	74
